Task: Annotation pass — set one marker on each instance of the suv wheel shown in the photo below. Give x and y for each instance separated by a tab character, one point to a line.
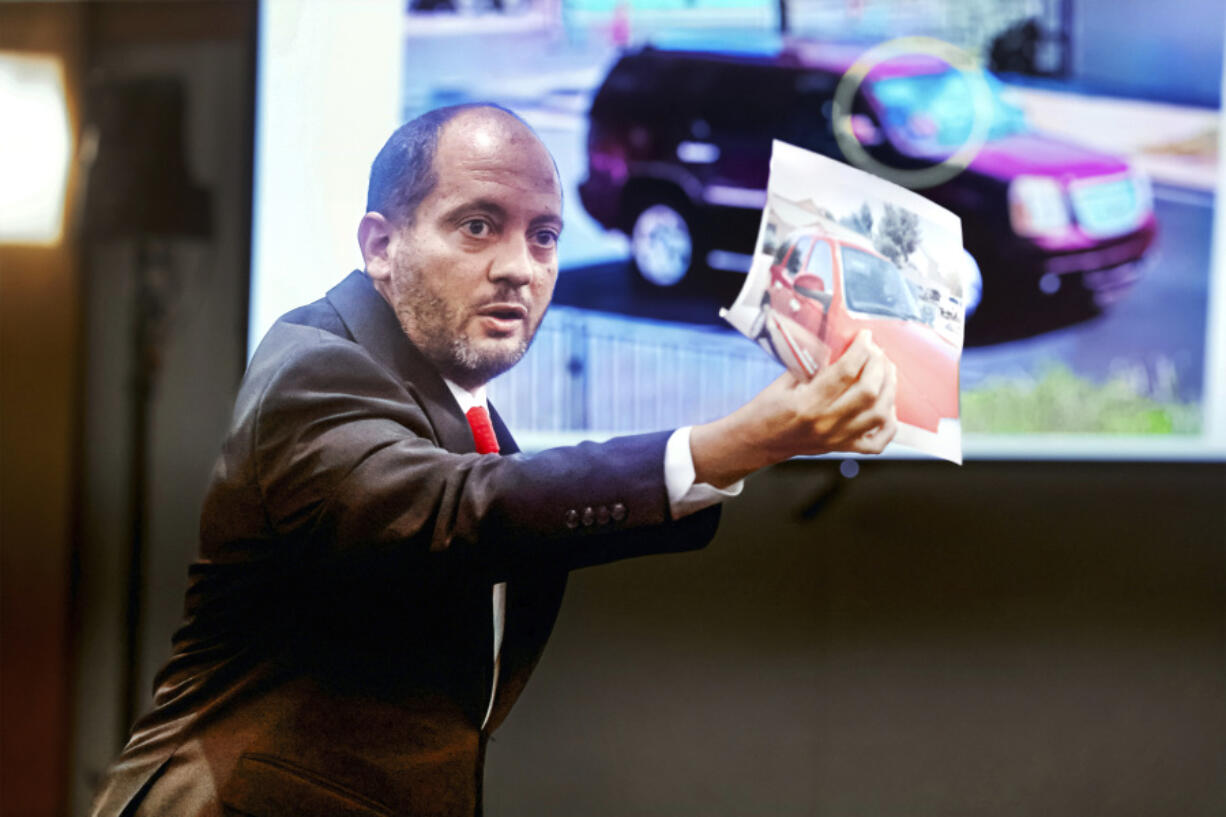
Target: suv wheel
662	244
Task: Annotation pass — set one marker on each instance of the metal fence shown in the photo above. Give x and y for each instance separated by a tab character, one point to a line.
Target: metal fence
601	374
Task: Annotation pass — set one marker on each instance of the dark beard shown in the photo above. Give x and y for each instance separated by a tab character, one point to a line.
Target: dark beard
470	368
454	357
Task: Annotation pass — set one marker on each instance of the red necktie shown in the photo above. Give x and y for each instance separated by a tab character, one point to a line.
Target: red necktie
483	430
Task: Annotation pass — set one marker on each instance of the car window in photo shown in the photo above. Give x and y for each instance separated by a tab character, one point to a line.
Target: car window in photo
802	247
821	264
874	285
783	250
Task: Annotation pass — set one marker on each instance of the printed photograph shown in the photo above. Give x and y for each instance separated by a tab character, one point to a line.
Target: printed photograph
840	252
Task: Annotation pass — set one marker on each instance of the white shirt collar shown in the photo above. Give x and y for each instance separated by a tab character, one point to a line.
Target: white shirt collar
467	399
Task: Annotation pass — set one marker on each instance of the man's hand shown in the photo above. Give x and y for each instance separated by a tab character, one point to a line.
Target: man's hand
848	406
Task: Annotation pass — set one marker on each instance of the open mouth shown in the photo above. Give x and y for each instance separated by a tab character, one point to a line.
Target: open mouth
503	318
504	311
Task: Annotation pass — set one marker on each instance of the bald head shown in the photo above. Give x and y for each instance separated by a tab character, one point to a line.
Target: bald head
464	248
475	141
406	170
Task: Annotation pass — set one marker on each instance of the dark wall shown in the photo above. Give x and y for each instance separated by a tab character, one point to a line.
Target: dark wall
1001	638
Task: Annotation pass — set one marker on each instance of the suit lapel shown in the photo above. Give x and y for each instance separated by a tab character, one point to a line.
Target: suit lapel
532	605
373	324
506	443
532	601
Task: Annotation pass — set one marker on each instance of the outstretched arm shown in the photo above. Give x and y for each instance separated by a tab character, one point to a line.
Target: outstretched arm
848	406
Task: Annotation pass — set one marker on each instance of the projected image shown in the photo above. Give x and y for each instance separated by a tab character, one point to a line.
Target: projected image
1087	210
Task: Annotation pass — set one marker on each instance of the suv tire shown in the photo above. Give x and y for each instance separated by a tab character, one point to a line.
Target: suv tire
665	245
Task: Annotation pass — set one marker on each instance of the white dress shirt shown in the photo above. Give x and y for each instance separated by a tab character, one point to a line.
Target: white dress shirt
684	497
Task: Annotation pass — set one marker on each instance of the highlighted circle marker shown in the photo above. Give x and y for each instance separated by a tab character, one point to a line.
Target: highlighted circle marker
917	178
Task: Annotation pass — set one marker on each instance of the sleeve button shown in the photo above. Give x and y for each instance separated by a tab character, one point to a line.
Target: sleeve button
619	512
589	516
572	519
602	515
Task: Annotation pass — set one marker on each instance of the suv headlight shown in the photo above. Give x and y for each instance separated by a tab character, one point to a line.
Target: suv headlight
1037	206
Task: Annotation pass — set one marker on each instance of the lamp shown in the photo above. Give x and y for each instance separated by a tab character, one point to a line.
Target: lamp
138	189
34	148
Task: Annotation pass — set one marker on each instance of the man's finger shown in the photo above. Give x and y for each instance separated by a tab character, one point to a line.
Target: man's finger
875	441
859	411
881	412
875	372
876	437
848	367
837	378
862	394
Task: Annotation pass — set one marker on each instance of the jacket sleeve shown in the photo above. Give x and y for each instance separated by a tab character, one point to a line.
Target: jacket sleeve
345	460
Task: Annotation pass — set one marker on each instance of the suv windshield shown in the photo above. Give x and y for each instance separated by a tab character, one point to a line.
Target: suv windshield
932	112
874	285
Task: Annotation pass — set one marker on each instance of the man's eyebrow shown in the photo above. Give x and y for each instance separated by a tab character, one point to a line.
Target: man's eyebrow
493	208
488	206
547	220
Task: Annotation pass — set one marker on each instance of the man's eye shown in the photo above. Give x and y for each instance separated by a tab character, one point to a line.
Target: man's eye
477	227
546	238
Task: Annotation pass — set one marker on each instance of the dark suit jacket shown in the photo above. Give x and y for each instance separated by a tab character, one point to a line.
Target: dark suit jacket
336	653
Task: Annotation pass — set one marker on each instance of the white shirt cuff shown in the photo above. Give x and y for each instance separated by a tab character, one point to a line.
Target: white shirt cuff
684	495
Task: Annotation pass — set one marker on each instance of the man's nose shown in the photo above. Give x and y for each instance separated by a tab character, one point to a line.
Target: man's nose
514	264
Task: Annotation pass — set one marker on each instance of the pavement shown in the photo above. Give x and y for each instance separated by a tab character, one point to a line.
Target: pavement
1176	144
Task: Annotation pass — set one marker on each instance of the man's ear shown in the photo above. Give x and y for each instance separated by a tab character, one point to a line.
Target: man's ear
374	238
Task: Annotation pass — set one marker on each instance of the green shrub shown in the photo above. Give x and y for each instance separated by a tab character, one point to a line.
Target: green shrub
1060	401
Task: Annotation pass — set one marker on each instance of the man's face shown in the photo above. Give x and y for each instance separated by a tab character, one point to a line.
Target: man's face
473	273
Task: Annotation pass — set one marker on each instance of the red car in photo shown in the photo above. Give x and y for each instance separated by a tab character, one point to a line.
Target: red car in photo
828	283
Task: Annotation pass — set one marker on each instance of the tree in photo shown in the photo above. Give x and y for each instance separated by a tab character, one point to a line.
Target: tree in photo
897	234
861	221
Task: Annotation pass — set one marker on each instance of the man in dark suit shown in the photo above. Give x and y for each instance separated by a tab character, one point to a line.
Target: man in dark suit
375	584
